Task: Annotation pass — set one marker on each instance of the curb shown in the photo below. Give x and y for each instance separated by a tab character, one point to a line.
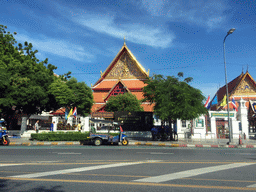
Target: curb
174	145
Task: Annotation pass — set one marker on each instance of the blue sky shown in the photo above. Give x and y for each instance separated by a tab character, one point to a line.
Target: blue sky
165	36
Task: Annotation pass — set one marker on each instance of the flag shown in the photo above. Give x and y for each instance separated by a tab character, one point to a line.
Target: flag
121	129
70	112
75	112
214	100
66	114
234	104
224	101
207	103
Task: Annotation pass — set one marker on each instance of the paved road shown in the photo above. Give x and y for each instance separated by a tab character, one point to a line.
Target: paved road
132	168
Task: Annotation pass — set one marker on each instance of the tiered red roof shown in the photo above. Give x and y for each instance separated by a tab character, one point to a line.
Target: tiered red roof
124	74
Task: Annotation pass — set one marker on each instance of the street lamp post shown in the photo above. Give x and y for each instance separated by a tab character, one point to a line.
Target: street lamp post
230	128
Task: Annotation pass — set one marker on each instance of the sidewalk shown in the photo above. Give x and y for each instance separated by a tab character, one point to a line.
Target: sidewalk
25	141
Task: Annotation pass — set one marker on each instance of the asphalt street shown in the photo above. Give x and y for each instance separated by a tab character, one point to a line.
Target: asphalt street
130	168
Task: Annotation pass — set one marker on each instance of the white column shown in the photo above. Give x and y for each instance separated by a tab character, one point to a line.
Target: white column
243	116
213	127
23	125
56	120
85	124
235	128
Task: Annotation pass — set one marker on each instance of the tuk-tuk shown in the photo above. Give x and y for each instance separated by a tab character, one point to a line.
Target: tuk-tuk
4	140
113	133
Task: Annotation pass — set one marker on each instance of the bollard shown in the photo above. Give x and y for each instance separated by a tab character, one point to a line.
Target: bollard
244	136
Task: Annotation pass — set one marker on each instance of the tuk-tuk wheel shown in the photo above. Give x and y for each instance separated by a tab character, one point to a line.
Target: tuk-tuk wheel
125	142
6	142
97	142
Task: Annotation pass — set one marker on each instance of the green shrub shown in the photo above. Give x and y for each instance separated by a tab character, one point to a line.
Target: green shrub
60	136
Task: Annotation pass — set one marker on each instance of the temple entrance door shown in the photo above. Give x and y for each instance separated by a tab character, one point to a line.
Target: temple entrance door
220	129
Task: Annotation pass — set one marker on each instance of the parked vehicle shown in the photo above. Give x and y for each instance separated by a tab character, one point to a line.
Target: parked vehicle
4	140
160	133
108	137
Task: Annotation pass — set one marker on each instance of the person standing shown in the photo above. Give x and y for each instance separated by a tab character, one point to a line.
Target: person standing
37	126
52	126
79	126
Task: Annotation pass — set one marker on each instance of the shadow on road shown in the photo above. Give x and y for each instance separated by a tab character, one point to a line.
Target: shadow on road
9	185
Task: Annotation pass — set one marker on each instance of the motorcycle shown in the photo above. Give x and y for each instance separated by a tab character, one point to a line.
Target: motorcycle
4	140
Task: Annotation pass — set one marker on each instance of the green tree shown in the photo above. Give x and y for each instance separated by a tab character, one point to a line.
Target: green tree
173	98
26	80
29	86
123	102
81	96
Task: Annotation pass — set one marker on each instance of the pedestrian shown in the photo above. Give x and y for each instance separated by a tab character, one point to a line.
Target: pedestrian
37	126
79	126
52	126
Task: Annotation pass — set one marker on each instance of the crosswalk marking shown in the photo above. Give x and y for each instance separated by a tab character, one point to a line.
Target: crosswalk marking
191	173
75	170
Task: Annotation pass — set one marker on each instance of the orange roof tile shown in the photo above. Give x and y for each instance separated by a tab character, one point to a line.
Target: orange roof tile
139	95
148	107
60	111
130	84
96	106
105	85
134	83
99	96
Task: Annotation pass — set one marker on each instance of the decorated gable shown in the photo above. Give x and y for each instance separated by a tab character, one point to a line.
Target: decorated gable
118	89
245	87
125	68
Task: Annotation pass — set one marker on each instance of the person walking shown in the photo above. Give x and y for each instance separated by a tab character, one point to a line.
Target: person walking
79	126
52	126
37	126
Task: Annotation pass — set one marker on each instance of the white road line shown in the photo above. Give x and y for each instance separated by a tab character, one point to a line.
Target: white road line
6	165
254	185
191	173
69	153
75	170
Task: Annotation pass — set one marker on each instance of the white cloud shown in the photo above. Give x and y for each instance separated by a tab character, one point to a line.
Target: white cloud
209	14
57	47
136	33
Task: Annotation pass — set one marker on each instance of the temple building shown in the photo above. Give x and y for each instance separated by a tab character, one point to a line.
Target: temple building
124	74
242	90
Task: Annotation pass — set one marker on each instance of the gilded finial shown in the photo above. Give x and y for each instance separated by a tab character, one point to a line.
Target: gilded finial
124	41
101	73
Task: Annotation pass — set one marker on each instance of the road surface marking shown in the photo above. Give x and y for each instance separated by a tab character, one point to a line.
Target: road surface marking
6	165
131	183
69	153
156	153
191	173
254	185
75	170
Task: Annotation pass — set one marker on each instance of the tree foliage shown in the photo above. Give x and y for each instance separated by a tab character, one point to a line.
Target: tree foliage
174	98
30	86
81	96
123	102
26	80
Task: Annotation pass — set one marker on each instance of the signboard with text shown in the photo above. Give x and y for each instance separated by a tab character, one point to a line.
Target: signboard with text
222	114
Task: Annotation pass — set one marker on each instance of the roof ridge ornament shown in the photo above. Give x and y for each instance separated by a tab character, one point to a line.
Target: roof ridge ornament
124	41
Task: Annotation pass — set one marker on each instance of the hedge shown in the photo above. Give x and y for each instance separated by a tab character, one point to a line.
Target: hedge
60	136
